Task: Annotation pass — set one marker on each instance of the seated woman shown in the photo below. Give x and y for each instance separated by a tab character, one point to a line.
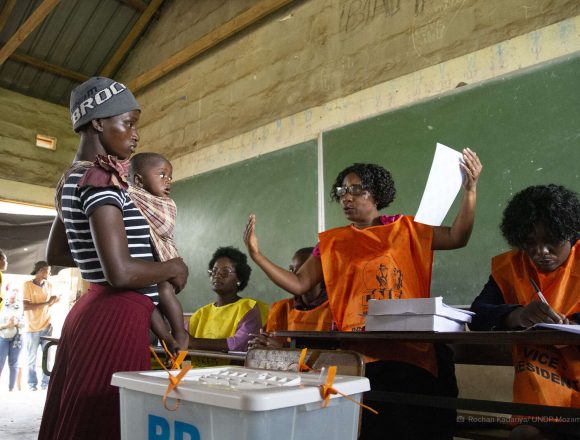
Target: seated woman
352	260
308	312
542	223
226	324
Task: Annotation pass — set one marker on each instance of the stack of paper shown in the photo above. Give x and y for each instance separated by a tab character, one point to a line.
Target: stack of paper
418	314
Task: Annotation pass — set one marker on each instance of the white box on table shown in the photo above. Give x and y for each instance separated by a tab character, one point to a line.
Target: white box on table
246	411
412	323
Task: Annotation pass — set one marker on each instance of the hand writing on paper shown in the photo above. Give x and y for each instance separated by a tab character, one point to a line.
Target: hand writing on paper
534	313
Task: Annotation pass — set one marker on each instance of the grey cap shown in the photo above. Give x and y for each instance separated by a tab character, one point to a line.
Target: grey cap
100	97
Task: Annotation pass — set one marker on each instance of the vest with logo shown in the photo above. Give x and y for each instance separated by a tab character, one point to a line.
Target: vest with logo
546	375
389	261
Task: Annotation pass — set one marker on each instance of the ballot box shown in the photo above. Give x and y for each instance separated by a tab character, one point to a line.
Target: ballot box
223	403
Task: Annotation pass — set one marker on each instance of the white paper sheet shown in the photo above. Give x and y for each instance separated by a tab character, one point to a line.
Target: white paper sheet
572	328
444	182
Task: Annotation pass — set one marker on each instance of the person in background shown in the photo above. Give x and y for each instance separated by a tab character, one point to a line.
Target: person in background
542	224
352	261
226	324
3	267
38	299
100	231
11	328
308	312
150	176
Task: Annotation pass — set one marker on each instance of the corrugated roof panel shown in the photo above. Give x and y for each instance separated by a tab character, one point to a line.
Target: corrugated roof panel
78	35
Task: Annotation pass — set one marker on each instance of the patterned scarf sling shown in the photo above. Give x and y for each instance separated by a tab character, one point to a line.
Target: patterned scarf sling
105	171
160	213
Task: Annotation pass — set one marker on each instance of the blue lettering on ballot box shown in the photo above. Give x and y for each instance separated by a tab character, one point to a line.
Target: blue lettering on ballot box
159	429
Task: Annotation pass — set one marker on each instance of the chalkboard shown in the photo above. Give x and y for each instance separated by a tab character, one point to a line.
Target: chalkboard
526	129
213	208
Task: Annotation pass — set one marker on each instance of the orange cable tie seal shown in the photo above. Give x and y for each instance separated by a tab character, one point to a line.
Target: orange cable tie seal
173	380
301	364
327	389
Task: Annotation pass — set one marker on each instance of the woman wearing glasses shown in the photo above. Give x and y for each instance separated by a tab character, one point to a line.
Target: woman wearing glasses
380	257
226	324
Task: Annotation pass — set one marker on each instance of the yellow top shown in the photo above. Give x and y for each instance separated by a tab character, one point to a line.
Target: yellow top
38	318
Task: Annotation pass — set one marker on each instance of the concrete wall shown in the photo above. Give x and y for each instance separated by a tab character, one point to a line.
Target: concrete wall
29	173
312	53
314	65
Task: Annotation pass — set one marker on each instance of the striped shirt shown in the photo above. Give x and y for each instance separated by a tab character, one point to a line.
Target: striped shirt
78	205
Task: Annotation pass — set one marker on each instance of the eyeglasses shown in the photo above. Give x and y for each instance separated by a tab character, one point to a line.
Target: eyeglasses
225	272
355	190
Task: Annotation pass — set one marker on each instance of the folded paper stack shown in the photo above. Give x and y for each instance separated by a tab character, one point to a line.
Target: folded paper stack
417	314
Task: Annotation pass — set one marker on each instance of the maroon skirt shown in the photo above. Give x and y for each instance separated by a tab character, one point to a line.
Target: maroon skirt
106	331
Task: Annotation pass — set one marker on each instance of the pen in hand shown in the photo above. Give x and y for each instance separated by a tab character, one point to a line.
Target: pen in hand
538	291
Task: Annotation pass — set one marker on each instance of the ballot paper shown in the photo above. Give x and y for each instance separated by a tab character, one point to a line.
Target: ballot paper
444	182
572	328
412	323
415	314
418	306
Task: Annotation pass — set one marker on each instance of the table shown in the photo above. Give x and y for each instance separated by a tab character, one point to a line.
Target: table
480	348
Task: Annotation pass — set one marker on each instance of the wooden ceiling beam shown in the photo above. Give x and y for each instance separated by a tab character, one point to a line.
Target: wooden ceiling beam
5	13
126	45
48	67
31	23
209	40
138	6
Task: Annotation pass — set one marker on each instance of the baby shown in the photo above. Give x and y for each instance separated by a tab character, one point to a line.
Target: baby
150	176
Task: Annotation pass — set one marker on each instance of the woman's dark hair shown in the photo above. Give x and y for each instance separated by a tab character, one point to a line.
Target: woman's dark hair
375	179
554	206
304	253
240	260
38	266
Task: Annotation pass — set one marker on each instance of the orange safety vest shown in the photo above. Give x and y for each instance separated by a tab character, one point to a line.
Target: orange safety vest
283	316
380	262
545	375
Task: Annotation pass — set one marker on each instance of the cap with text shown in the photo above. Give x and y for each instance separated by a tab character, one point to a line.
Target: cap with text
100	97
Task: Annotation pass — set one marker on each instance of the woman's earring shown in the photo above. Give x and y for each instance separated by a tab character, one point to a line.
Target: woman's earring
238	283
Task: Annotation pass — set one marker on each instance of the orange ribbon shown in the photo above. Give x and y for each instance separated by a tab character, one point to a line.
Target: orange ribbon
173	380
327	389
301	364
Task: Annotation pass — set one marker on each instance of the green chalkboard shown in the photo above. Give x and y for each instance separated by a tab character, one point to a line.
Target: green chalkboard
526	129
213	208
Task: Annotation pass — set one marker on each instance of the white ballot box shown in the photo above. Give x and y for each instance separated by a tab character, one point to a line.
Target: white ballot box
224	403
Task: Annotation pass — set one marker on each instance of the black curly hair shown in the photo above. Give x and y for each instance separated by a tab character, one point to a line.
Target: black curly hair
240	260
375	179
140	161
555	207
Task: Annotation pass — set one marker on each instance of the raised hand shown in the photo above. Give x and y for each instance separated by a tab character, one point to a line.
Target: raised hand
471	167
250	239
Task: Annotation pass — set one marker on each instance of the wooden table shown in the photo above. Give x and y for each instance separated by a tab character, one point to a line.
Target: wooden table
479	348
